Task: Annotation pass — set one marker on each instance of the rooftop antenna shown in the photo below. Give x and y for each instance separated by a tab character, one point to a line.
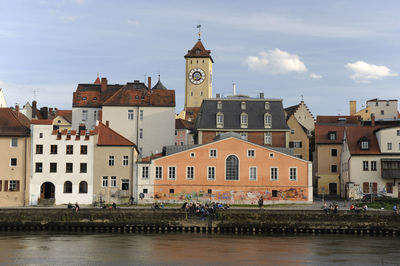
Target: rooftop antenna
199	27
159	75
302	99
34	94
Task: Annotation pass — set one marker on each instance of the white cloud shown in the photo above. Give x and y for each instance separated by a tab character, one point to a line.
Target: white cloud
275	62
132	22
315	76
364	72
68	19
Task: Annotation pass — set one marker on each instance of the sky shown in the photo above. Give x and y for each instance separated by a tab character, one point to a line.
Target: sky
324	52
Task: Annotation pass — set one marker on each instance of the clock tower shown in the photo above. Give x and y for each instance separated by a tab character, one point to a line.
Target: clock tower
198	81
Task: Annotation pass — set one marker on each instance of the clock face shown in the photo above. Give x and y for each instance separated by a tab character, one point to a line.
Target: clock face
197	75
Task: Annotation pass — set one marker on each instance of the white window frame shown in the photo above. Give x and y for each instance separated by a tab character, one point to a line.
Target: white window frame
113	181
172	174
267	120
290	174
159	173
211	155
12	142
85	115
214	173
220	120
111	160
398	132
267	138
253	173
12	185
364	145
251	153
104	181
145	172
243	119
131	114
192	155
16	162
190	172
271	173
389	146
125	160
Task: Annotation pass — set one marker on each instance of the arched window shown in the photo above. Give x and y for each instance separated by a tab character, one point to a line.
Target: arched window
83	187
232	168
67	187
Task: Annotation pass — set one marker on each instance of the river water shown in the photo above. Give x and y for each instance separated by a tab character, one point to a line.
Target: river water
195	249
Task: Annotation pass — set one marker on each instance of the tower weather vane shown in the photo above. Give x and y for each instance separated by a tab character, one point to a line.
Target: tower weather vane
199	27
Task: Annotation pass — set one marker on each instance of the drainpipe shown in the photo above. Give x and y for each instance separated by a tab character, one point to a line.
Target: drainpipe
25	173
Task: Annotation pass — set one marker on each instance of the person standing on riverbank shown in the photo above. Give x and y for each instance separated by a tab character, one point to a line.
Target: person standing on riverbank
260	202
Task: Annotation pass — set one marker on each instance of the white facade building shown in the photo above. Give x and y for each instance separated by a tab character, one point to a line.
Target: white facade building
383	109
62	166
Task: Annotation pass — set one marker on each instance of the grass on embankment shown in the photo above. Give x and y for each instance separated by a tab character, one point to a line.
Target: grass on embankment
386	204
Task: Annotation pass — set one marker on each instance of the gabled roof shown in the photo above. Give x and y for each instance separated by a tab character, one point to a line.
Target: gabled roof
231	109
13	123
183	124
198	50
42	121
109	137
356	134
137	94
66	114
291	110
90	95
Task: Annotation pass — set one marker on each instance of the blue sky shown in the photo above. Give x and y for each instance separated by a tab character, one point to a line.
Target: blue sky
328	51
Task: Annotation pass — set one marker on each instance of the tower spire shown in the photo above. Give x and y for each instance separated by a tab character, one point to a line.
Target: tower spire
199	27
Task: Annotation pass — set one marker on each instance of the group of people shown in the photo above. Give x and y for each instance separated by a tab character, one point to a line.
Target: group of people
333	207
203	209
357	209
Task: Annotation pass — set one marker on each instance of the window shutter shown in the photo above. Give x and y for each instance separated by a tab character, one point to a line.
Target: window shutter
374	187
17	186
365	187
301	144
6	185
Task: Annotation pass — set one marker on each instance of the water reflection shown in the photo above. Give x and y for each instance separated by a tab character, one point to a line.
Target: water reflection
188	248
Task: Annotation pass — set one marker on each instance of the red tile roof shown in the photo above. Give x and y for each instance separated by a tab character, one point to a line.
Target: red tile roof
151	157
42	122
13	123
354	135
198	50
108	137
97	81
183	124
325	124
90	95
67	114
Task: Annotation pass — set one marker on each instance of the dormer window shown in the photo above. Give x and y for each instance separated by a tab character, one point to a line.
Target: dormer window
243	120
84	98
137	97
332	135
243	105
220	120
267	120
219	105
364	143
197	51
267	106
94	98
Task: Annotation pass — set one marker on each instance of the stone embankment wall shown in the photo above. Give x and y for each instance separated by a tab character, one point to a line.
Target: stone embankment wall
176	220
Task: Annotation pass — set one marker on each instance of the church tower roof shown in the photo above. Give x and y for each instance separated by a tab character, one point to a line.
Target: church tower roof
198	50
159	86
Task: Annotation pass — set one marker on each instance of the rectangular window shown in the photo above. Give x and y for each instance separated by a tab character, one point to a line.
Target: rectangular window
141	114
243	105
39	149
13	185
104	181
14	142
389	188
398	132
159	172
365	165
267	120
253	173
334	168
251	153
141	133
70	149
292	131
39	167
295	144
83	149
293	173
125	184
53	149
113	182
13	162
244	119
111	160
130	114
171	172
145	172
220	119
244	135
334	152
266	105
95	115
53	167
332	135
84	115
213	153
68	167
389	146
211	173
190	172
373	165
274	193
145	191
83	168
274	173
125	160
268	138
192	155
171	191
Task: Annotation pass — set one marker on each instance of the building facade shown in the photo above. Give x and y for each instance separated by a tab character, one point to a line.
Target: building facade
184	132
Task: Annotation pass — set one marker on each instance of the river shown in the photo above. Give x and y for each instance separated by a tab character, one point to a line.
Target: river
194	249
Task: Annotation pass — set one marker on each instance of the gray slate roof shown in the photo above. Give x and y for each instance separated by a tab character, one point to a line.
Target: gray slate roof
255	109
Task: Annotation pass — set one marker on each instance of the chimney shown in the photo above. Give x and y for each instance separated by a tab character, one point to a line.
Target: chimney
149	83
34	108
45	112
103	85
353	107
107	123
261	95
17	108
217	95
372	120
234	88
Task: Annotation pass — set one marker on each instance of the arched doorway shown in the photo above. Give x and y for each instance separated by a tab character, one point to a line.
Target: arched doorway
47	190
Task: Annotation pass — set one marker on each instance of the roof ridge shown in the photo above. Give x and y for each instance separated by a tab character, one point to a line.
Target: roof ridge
116	133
